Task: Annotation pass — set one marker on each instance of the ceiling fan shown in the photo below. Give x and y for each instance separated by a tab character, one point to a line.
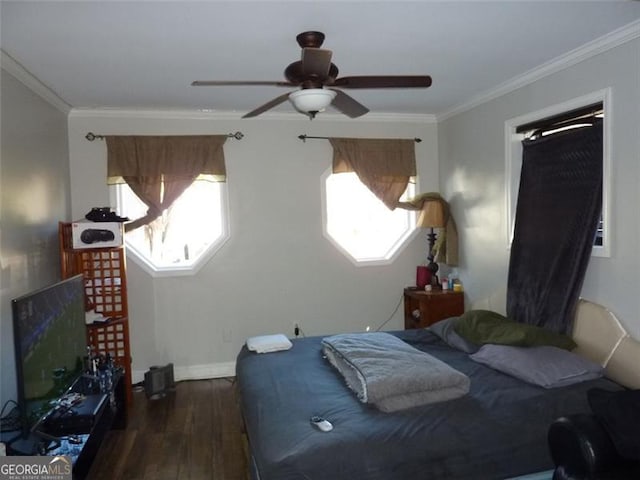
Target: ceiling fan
319	84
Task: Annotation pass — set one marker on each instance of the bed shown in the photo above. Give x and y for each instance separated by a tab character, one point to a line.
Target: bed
497	431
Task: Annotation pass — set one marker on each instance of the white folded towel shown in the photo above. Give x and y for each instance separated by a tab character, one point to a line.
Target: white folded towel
268	343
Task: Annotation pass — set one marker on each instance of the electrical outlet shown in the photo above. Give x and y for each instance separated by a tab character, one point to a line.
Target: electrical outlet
296	329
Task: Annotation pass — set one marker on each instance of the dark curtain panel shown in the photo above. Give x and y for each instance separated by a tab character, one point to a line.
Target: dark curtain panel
559	205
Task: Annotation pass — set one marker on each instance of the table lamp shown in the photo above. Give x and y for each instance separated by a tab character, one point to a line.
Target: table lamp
432	216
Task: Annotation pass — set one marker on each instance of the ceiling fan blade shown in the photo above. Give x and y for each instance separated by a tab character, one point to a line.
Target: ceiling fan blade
263	108
347	105
316	62
225	83
384	81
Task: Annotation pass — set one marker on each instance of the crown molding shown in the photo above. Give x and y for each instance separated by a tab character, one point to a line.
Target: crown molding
13	68
83	112
588	50
150	113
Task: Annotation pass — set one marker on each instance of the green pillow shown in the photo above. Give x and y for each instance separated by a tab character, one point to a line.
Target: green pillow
484	326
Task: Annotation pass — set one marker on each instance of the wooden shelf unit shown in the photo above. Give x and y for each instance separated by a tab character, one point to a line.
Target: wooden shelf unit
105	286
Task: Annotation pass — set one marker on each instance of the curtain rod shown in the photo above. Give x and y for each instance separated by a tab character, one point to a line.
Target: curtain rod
585	113
92	136
305	137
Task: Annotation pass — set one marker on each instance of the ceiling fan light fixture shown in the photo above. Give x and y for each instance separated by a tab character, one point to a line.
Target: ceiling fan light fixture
312	100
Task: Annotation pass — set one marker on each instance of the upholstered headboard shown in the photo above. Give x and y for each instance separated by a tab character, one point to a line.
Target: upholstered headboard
600	337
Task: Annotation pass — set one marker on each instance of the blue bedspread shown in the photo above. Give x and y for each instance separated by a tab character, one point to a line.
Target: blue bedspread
497	431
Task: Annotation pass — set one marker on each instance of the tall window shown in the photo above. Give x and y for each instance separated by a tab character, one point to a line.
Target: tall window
359	224
540	123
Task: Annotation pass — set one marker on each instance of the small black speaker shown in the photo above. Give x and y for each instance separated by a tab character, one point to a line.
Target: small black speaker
158	381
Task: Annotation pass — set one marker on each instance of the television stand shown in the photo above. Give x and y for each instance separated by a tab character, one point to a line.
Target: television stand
80	441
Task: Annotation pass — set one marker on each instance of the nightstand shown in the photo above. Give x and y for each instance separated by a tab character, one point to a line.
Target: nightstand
422	309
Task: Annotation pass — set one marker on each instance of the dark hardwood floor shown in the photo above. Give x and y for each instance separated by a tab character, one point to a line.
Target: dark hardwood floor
192	434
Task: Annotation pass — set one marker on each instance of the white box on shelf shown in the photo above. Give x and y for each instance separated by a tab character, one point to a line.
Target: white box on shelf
86	234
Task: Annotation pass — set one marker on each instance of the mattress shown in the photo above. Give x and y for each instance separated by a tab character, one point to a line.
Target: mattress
496	431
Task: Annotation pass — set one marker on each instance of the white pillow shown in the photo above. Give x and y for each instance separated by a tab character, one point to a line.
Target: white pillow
268	343
545	366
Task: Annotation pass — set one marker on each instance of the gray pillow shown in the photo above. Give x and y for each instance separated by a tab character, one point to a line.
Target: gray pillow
546	366
445	330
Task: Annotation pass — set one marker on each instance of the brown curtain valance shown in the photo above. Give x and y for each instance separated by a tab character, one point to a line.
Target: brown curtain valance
160	168
199	156
383	165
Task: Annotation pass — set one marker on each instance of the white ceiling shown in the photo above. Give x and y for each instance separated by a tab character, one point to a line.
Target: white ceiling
144	54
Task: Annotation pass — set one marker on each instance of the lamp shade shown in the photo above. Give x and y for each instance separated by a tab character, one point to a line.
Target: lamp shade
310	100
431	215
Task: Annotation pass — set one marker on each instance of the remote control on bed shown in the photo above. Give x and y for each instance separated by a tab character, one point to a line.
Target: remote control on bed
321	424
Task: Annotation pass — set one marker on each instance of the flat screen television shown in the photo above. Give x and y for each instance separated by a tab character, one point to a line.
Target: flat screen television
50	345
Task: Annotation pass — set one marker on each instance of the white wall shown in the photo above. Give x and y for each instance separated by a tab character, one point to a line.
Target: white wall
472	164
277	268
34	196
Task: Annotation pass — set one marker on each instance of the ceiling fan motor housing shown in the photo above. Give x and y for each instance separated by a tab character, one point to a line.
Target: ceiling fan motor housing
310	39
295	74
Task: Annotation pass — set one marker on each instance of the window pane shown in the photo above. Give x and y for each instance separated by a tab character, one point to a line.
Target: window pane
183	232
360	223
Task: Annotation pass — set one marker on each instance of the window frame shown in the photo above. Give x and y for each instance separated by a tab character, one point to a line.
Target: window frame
513	161
179	270
398	246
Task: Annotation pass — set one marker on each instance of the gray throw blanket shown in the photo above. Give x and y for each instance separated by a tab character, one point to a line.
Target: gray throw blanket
387	372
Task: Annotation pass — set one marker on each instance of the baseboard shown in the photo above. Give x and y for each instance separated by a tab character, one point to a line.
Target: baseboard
195	372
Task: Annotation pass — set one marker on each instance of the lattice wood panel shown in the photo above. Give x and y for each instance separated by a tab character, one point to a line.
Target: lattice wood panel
113	338
104	281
